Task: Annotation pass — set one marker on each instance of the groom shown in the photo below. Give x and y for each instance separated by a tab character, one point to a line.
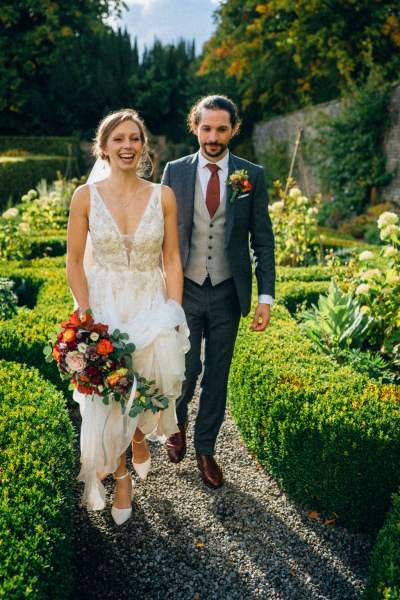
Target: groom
215	222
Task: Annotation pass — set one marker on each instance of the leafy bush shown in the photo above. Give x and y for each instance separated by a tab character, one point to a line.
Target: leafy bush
384	576
8	300
54	146
295	226
378	289
337	321
21	173
14	236
350	155
328	434
36	493
23	337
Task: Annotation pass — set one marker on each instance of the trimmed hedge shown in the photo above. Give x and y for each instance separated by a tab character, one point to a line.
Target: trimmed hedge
53	244
44	290
40	144
328	434
17	175
384	578
36	495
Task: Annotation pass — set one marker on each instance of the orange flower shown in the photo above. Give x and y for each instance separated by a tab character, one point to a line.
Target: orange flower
113	379
56	354
69	335
104	347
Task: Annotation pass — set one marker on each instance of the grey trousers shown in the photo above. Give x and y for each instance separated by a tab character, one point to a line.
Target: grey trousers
212	313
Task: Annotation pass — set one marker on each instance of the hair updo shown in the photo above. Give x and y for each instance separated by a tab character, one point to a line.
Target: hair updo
107	126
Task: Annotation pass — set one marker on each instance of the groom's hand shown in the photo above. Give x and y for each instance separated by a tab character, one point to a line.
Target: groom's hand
262	317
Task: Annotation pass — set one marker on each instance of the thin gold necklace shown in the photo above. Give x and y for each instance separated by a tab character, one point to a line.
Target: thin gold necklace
126	203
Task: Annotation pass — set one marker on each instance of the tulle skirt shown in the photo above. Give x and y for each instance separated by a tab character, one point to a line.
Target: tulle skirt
135	303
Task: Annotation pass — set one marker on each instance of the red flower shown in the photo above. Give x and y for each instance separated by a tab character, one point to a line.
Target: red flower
246	185
104	347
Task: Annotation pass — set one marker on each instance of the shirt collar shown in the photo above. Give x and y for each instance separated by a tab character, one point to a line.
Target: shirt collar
223	163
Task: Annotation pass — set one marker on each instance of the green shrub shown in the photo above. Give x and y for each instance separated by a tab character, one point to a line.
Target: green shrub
19	174
384	575
53	146
50	244
328	434
36	496
23	337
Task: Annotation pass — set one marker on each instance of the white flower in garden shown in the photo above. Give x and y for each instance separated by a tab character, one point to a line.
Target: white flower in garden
276	206
365	310
366	255
313	210
24	227
389	230
82	347
301	201
363	288
389	252
295	192
11	213
371	273
387	218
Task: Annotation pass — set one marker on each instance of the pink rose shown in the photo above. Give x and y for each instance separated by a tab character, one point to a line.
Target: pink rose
75	361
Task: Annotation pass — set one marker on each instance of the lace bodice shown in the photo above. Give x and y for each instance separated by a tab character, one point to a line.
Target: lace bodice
115	251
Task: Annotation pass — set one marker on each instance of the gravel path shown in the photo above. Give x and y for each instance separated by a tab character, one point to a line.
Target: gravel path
186	542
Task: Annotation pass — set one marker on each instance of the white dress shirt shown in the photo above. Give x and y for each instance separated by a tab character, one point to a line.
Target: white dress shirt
204	174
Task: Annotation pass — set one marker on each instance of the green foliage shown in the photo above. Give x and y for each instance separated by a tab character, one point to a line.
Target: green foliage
384	575
328	434
23	337
283	54
337	321
45	145
36	489
377	287
17	174
8	299
349	152
294	220
14	239
368	363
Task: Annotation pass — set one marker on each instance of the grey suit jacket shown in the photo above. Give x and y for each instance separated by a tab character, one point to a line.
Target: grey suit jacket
246	216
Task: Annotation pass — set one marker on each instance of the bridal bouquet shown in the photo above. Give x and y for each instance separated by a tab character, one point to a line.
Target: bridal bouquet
97	362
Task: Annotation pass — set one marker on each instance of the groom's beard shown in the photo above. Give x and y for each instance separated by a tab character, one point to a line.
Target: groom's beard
214	150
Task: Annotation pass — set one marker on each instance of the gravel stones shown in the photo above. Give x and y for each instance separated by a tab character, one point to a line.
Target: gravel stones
187	542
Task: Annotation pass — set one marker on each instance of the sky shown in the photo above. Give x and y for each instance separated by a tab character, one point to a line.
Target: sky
168	20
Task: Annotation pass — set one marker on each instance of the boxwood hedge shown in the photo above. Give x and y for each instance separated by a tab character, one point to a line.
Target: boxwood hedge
384	579
328	434
36	486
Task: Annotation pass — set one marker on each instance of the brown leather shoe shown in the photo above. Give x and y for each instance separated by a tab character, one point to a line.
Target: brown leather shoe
210	472
176	445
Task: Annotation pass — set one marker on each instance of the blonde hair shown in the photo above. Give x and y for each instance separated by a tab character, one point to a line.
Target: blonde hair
107	126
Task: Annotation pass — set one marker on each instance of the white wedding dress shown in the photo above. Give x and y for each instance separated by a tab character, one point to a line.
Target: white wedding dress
127	292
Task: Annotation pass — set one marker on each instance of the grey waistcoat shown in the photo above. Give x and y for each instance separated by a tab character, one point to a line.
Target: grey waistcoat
207	253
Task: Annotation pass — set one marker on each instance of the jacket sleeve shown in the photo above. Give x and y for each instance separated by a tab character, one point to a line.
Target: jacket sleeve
262	237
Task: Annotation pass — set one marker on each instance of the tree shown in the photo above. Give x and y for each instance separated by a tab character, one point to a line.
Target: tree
34	35
287	53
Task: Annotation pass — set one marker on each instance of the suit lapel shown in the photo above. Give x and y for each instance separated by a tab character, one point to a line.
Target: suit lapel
229	208
189	187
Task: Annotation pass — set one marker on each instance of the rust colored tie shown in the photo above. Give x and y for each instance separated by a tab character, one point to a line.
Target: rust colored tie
212	193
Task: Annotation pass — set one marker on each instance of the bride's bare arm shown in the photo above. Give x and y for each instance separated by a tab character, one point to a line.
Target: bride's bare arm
171	254
78	225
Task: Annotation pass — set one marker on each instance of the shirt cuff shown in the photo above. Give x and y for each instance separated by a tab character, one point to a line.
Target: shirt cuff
265	299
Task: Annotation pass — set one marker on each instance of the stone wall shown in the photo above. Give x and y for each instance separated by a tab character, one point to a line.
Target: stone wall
284	129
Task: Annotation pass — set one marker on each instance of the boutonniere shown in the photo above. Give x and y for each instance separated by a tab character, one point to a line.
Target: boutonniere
239	183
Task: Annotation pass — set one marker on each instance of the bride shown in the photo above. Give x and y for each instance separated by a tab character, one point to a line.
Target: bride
123	263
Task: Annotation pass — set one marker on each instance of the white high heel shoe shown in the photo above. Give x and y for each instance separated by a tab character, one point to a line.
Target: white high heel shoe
120	515
141	468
